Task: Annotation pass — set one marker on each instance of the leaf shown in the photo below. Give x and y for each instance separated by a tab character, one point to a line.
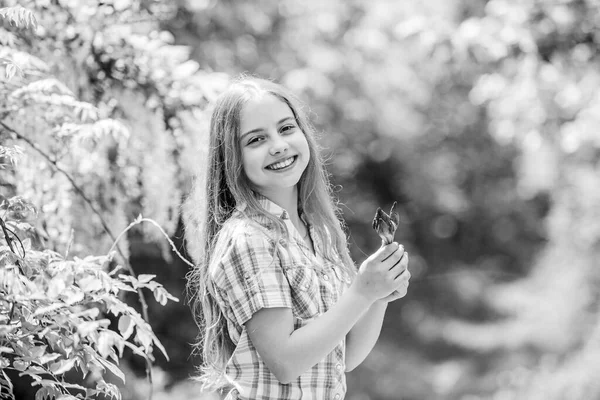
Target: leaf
89	284
48	309
47	392
109	389
20	365
73	295
112	368
126	326
6	385
19	16
38	351
143	338
160	296
10	71
87	327
145	278
48	357
104	344
62	366
55	287
13	69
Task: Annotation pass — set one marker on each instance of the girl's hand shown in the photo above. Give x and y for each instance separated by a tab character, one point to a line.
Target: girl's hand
383	273
402	289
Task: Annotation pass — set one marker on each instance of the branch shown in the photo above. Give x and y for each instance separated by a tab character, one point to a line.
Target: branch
153	222
141	296
5	230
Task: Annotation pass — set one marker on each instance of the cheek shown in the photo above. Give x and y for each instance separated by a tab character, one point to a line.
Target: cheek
306	148
249	162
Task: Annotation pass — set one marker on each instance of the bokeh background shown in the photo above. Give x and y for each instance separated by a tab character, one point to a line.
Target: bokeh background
480	118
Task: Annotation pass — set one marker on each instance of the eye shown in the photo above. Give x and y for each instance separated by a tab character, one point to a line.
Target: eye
255	139
288	128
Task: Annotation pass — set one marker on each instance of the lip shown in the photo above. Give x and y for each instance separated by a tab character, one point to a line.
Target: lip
295	157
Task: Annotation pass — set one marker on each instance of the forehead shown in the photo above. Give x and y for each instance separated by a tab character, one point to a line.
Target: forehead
262	112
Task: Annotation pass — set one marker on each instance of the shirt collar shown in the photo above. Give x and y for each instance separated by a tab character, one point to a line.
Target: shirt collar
272	208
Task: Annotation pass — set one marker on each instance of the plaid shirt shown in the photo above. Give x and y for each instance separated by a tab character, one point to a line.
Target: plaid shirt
254	272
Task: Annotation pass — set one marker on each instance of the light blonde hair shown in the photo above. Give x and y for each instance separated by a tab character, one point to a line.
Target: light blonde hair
225	186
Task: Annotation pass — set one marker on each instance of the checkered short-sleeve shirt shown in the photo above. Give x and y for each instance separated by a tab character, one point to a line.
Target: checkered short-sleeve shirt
254	272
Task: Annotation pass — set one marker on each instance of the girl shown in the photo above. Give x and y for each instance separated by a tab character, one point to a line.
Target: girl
282	309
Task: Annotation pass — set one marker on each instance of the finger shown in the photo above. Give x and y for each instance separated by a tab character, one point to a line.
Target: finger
386	251
400	265
404	260
395	256
395	261
404	275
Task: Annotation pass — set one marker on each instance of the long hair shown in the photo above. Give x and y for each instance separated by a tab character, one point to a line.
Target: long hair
212	203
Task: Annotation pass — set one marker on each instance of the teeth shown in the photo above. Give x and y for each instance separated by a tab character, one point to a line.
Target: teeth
282	164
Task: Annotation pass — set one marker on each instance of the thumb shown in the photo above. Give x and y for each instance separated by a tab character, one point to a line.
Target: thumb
385	251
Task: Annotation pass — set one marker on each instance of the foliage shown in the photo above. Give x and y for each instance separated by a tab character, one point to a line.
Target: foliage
52	315
94	102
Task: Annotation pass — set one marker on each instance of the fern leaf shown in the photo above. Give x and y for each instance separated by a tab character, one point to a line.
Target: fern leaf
12	69
7	38
6	387
109	389
24	60
19	16
47	393
10	155
109	126
45	86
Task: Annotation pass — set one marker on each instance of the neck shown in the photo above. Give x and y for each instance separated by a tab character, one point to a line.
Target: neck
288	200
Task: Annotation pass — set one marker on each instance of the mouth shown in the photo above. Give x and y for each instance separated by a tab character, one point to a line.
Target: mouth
282	165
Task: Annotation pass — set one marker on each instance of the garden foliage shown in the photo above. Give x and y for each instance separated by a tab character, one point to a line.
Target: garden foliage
96	105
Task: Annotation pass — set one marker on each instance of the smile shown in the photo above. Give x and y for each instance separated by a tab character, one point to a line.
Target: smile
282	165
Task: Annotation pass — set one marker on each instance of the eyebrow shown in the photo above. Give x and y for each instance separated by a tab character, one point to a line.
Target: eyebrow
261	129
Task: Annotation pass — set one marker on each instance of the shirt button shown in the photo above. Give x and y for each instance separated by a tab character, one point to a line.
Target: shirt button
348	281
338	367
326	277
337	397
305	286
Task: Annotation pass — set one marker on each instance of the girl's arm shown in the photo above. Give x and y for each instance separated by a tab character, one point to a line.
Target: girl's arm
363	336
288	353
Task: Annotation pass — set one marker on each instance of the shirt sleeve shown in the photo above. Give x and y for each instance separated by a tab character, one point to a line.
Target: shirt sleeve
250	277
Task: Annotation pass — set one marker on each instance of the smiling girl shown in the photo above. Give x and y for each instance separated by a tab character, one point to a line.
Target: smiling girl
282	309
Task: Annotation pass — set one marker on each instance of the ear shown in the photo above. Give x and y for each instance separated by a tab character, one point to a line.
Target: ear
394	215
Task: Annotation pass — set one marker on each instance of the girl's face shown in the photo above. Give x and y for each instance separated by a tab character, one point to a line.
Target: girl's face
275	152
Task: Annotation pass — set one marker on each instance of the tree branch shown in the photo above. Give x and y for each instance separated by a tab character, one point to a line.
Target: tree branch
5	230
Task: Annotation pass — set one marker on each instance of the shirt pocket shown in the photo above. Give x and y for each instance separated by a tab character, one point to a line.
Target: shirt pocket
306	297
343	277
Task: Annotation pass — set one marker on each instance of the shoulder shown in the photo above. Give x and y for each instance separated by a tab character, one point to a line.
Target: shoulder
240	240
239	230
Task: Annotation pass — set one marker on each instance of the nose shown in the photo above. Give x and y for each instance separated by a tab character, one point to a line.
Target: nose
278	146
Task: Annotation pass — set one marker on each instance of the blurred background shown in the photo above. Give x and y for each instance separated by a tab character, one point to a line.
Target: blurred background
480	118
